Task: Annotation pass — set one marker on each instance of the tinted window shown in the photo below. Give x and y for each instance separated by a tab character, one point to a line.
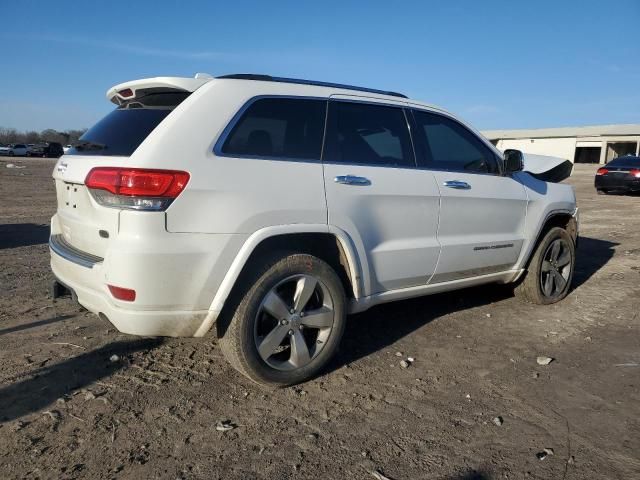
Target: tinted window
279	127
627	161
368	134
122	131
447	145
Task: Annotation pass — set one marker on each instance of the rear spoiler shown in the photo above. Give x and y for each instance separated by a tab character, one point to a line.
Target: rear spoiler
127	90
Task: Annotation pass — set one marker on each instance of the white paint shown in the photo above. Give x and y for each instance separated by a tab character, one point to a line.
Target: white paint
397	232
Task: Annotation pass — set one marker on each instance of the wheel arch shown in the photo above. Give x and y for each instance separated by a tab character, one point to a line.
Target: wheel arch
331	245
557	218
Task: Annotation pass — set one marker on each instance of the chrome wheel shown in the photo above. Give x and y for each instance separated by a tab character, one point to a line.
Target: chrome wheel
293	322
556	268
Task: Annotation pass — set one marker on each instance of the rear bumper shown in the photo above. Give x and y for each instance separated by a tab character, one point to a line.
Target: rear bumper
89	286
175	276
622	184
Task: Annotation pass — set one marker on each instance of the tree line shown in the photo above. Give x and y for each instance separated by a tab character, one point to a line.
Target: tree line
66	137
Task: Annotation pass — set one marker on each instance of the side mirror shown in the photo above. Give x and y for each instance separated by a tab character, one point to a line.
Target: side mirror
513	161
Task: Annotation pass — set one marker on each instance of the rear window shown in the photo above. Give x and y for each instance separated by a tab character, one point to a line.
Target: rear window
625	162
279	128
122	131
360	133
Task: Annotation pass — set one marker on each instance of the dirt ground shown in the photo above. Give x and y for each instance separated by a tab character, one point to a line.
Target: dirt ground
68	411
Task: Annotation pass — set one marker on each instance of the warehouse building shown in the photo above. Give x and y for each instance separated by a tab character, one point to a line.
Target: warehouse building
595	144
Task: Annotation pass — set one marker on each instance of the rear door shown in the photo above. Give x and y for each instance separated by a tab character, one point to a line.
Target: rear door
376	194
482	212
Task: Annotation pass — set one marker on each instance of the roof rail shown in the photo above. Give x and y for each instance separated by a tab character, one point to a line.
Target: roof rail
269	78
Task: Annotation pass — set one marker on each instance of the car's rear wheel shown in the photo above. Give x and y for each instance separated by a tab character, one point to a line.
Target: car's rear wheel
289	323
550	272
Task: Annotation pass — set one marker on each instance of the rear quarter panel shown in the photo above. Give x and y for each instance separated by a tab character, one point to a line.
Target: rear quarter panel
227	194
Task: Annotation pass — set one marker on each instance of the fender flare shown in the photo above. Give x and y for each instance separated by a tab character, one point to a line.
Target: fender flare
239	262
528	253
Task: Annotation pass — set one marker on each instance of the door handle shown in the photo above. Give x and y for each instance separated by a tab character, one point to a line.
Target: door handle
457	184
352	180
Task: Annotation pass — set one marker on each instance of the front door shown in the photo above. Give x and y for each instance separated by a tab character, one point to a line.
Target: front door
482	212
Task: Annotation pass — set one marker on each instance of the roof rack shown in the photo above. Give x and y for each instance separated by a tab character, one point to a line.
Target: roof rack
269	78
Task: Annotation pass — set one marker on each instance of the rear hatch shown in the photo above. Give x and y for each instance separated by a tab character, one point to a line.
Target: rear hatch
84	223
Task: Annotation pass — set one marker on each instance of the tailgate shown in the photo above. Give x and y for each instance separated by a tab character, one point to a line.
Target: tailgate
84	224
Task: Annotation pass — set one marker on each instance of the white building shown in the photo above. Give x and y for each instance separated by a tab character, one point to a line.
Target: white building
596	144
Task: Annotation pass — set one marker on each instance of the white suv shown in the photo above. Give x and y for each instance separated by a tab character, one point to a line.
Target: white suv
274	207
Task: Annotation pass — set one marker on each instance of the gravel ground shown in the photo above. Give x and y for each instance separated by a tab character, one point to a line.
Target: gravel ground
80	400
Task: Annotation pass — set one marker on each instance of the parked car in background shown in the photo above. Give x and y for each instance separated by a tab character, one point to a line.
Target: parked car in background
37	150
46	150
292	204
18	150
66	148
4	149
55	150
619	175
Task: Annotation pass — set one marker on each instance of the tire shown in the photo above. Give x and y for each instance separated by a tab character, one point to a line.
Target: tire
251	341
547	262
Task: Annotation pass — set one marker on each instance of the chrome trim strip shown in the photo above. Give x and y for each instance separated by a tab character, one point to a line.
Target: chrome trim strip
61	247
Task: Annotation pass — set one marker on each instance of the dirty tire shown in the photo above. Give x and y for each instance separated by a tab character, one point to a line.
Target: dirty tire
530	288
240	340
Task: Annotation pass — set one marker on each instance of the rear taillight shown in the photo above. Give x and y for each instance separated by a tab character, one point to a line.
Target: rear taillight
135	188
602	171
635	173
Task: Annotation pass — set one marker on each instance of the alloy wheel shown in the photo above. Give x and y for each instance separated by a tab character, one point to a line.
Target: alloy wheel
556	268
293	322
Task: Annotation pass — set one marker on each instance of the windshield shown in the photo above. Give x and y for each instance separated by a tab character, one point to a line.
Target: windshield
122	131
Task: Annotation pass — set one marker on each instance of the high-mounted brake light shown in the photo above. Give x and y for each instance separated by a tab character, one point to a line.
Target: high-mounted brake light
120	293
602	171
126	93
135	188
635	172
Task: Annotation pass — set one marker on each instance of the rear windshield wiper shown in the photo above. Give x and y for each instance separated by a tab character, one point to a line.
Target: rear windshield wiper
87	145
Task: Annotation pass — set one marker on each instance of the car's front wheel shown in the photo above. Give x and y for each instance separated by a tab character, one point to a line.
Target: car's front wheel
288	323
548	277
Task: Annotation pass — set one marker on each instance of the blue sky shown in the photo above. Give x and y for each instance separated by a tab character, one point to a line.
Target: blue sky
498	64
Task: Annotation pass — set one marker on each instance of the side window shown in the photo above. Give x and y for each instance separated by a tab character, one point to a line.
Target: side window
360	133
279	127
447	145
